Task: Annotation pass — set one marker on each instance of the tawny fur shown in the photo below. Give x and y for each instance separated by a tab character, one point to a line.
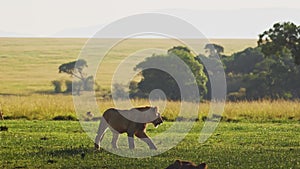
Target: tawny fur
178	164
115	120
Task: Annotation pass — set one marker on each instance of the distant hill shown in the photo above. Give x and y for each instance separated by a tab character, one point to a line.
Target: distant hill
221	24
14	34
83	32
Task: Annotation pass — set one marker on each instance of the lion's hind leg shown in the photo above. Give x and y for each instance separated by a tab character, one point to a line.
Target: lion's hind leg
101	131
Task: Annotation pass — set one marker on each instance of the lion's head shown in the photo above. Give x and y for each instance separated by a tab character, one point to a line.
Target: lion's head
145	114
178	164
158	119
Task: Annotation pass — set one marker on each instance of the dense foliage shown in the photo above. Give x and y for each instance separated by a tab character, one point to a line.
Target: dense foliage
251	75
281	37
159	79
268	71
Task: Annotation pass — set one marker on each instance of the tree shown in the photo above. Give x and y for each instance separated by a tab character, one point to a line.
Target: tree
119	91
213	66
183	48
243	62
280	37
214	49
75	69
273	77
158	79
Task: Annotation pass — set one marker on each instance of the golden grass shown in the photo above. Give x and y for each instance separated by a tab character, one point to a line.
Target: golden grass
28	65
37	106
48	106
264	109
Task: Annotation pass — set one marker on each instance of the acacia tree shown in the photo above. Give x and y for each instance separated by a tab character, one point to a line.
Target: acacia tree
280	37
75	69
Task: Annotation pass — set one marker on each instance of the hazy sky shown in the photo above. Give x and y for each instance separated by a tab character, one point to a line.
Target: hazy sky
46	17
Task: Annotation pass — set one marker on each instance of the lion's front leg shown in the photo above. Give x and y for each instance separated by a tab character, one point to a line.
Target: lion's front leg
143	136
115	140
101	131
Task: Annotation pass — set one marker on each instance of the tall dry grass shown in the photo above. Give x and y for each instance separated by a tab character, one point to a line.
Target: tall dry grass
49	106
263	110
36	106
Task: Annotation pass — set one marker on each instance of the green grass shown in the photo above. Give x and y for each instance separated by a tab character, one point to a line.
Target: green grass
60	144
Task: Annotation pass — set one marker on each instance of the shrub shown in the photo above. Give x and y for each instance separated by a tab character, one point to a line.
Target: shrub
57	86
68	117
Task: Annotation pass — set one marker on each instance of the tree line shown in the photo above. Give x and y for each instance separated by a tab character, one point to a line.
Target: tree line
268	71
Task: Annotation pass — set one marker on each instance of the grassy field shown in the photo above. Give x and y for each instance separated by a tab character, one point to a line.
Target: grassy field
258	134
29	65
62	144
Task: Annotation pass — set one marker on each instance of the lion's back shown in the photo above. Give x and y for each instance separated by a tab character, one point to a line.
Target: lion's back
116	120
112	115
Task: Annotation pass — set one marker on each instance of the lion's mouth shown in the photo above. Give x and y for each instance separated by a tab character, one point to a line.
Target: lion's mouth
157	123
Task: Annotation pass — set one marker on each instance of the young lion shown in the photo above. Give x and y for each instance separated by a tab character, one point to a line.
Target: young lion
133	122
178	164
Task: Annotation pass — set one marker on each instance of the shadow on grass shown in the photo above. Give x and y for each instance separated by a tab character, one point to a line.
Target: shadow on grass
51	92
62	156
53	156
72	152
12	94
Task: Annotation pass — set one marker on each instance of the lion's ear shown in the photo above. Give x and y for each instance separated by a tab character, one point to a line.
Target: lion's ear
177	164
155	109
202	166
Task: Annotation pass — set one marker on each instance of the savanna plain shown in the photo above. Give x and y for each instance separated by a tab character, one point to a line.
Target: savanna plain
40	129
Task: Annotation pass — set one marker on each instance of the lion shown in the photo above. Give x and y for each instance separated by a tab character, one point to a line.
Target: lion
133	122
178	164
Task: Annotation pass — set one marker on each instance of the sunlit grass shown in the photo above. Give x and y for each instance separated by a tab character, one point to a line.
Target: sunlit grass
279	109
39	106
63	144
